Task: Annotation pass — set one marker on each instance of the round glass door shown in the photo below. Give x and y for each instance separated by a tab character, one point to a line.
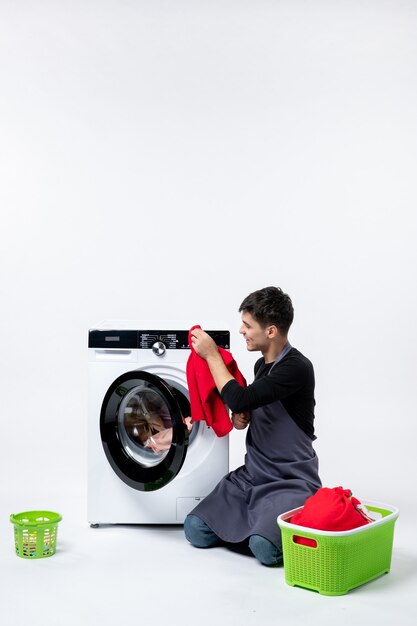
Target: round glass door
143	430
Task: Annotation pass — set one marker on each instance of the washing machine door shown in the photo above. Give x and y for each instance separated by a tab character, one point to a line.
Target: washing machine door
143	431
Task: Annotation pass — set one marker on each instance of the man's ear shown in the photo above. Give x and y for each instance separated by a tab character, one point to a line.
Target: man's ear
272	332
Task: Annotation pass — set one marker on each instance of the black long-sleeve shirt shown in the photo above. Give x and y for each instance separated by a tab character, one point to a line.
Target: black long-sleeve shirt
291	381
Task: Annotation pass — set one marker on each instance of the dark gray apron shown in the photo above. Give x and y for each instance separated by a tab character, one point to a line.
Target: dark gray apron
279	474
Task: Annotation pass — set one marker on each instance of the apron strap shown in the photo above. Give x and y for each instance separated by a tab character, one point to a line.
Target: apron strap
281	355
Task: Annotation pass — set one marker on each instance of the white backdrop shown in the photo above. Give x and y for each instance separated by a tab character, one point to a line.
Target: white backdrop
166	158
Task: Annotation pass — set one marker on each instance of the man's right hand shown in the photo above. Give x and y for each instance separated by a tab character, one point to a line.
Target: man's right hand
240	420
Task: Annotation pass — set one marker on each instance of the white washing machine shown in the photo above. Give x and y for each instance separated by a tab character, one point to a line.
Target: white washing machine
137	394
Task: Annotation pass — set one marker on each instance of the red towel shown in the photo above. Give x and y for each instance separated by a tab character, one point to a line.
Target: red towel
330	509
205	400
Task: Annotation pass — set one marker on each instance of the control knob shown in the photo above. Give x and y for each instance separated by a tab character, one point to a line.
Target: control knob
159	348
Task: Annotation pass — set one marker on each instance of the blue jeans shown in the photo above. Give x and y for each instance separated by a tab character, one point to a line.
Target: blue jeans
201	536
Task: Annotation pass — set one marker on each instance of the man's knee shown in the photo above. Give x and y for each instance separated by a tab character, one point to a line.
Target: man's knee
199	534
265	551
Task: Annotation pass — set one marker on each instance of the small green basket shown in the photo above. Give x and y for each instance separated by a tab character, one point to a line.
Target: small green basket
35	533
337	562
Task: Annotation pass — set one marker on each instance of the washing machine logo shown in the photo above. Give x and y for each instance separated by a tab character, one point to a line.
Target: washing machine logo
121	391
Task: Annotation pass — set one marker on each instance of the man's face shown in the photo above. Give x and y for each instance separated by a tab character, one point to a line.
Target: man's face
253	333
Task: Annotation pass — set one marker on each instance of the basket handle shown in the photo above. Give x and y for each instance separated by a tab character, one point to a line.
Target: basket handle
305	541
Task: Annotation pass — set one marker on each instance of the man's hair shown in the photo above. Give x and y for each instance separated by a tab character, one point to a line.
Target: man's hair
270	305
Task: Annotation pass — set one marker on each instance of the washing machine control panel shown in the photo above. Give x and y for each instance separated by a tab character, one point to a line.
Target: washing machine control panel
177	339
150	338
156	340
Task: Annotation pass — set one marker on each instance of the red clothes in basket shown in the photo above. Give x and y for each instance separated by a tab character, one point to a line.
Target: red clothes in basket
330	509
206	403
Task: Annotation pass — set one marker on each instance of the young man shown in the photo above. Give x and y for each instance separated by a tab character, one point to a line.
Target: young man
281	467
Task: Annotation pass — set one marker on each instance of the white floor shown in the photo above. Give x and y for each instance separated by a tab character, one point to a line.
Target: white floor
140	575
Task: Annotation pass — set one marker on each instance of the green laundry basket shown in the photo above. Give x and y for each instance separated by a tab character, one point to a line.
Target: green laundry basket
35	533
337	562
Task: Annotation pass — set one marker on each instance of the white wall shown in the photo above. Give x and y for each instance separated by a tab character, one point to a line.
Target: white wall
166	158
